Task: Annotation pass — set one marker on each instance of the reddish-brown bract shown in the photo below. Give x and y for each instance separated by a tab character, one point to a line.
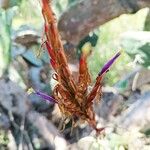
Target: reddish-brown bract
72	96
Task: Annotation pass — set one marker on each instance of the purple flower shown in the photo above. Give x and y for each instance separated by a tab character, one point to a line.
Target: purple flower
42	95
109	63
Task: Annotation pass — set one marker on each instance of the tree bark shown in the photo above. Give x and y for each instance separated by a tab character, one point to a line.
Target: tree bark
84	16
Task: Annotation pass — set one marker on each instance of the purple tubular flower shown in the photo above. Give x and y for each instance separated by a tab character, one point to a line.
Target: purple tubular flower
109	63
45	96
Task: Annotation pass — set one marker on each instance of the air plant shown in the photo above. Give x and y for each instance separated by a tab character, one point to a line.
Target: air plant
72	97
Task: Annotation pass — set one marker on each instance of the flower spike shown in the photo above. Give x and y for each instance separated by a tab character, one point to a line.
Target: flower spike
72	96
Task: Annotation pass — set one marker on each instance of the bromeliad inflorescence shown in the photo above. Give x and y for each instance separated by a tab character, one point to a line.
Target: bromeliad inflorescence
71	96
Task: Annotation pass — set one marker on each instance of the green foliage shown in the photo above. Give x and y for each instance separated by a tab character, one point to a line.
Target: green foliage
28	15
13	3
6	17
90	40
138	47
147	22
9	20
6	4
145	49
3	139
109	43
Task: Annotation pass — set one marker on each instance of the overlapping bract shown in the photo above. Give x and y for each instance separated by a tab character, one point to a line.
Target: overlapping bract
71	96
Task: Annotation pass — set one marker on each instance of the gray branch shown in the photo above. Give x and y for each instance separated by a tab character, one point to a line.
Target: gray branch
84	16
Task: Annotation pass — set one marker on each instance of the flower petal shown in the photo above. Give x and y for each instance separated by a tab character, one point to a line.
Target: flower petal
45	96
109	63
42	95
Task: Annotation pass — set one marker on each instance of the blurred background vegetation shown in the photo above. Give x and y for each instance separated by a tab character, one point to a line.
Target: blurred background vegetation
21	14
22	60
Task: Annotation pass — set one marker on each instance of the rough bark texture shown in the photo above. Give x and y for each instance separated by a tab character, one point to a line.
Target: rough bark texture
86	15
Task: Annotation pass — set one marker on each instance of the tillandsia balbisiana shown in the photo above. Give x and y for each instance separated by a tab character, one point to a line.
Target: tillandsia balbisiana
72	97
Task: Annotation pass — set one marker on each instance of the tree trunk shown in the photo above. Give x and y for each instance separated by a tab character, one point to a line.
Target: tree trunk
84	16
